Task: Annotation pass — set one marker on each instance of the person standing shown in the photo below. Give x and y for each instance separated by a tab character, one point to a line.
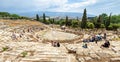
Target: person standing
105	35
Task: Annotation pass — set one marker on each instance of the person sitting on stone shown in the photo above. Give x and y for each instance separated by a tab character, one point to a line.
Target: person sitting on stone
63	27
58	44
93	39
52	43
106	44
14	36
99	37
96	39
84	40
85	45
55	44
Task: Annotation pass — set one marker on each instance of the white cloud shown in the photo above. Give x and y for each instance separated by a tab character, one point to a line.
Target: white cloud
44	5
93	6
74	7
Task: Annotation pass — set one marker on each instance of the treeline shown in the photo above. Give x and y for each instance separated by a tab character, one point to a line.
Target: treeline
65	21
6	15
109	22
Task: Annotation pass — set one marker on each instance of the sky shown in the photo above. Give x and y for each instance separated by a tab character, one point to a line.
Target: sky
94	7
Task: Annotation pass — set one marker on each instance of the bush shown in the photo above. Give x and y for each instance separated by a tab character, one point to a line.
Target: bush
5	48
113	26
24	54
110	27
46	22
62	22
75	23
90	25
102	26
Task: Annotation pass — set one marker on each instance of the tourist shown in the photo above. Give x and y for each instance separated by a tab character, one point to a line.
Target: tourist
23	31
84	40
85	45
106	44
99	36
20	36
63	27
93	39
105	35
52	43
14	36
58	44
55	44
28	30
96	39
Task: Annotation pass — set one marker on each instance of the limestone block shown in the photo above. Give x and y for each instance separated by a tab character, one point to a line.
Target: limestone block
88	58
94	56
115	60
81	59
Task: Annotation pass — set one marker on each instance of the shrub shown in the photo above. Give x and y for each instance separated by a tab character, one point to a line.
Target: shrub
110	27
102	26
24	54
5	48
75	23
90	25
113	26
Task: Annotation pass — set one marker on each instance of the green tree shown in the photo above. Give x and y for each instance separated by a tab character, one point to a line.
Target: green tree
115	19
5	14
15	15
62	22
37	17
84	20
75	23
104	17
66	21
115	26
44	18
90	25
108	21
98	22
77	19
102	26
51	21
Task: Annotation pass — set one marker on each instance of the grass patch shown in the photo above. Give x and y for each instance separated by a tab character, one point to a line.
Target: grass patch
24	54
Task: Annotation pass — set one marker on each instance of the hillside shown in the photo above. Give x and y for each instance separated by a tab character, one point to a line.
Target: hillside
31	41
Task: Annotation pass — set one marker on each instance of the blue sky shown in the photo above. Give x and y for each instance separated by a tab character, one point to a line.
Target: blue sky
94	7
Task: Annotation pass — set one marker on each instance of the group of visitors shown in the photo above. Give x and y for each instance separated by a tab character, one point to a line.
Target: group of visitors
16	36
95	39
55	44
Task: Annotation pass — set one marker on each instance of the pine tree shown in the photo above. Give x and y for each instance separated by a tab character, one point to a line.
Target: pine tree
44	18
77	19
66	21
98	23
50	20
37	17
53	20
84	20
108	21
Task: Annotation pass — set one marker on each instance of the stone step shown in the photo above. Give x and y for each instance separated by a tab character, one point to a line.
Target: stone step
115	59
43	59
